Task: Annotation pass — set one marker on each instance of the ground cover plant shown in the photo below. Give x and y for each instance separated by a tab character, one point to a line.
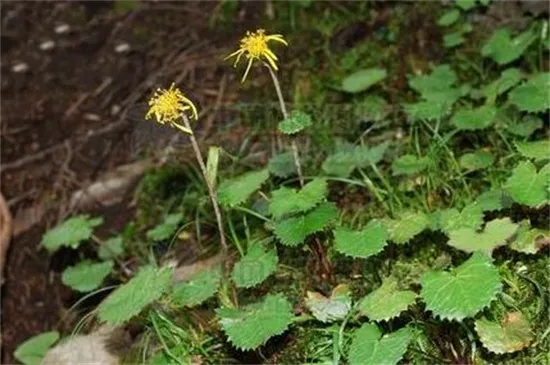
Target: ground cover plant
393	224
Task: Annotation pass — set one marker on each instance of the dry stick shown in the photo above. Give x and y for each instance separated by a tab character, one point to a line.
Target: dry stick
211	189
293	144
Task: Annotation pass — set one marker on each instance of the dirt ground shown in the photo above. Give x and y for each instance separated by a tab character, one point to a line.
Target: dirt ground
72	74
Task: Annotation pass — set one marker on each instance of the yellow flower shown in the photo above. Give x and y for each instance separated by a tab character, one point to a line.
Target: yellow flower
254	46
167	106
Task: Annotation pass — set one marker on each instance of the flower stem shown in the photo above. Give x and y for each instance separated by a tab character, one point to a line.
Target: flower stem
293	144
209	184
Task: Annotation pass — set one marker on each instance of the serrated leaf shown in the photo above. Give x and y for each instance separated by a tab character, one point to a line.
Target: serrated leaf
86	275
363	79
450	17
409	165
282	165
236	191
495	234
288	201
476	160
470	217
386	302
33	350
295	122
369	346
344	162
70	233
532	96
508	79
503	49
474	119
250	327
530	240
537	150
293	231
331	309
255	266
199	288
494	199
527	186
440	79
408	225
427	110
364	243
166	229
111	248
373	107
512	334
462	292
131	298
525	127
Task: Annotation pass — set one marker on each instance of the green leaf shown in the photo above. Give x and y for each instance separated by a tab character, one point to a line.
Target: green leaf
255	266
282	165
288	201
409	165
330	309
250	327
449	18
406	227
525	127
503	49
131	298
441	78
166	229
373	107
494	199
528	187
363	79
532	96
365	243
344	162
236	191
470	217
427	110
111	248
512	334
537	150
70	233
386	302
293	231
86	275
199	288
496	234
369	346
477	160
462	292
453	39
33	350
296	122
508	79
474	119
465	4
530	240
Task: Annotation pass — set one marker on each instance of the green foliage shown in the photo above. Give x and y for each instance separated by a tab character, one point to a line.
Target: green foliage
408	225
369	346
477	160
409	165
363	79
456	38
386	302
86	275
524	127
496	233
131	298
527	186
282	165
111	248
494	199
503	49
474	119
288	201
255	266
331	309
199	288
462	292
362	244
532	96
236	191
166	229
538	150
293	231
70	233
427	110
508	79
249	327
33	350
512	334
440	80
470	217
344	162
449	18
296	122
530	240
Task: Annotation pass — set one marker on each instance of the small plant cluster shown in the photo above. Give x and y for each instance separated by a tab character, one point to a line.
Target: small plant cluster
436	244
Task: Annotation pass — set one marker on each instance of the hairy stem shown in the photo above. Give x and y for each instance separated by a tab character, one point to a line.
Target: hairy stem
209	184
293	144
